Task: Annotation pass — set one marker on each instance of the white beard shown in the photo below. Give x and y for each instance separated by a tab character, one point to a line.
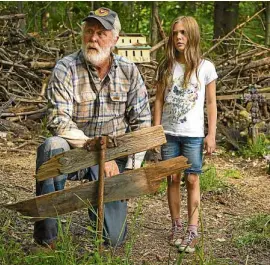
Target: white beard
96	57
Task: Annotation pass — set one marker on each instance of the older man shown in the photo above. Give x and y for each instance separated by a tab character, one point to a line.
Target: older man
93	92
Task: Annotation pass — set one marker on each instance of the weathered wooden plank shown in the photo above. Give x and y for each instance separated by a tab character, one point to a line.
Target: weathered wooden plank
127	185
80	158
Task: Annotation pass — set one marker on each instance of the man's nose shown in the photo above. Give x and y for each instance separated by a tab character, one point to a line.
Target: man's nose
93	37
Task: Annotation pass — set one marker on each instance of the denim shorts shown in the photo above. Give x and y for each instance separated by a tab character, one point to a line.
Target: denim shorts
190	147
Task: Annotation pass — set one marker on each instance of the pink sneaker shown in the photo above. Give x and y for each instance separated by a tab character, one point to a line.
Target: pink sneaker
175	237
189	242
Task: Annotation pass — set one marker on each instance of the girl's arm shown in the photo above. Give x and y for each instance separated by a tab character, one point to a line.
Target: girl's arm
211	104
158	106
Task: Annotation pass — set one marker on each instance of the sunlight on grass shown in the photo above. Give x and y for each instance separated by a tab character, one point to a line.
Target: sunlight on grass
68	251
254	231
162	187
257	149
210	180
232	173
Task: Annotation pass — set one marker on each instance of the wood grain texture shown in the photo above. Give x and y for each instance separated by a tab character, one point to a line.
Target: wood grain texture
127	185
80	158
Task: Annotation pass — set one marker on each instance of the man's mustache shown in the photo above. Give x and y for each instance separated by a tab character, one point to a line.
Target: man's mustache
92	47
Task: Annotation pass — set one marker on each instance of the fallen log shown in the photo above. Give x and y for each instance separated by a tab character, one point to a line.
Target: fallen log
17	129
245	66
10	17
127	185
41	65
79	158
239	96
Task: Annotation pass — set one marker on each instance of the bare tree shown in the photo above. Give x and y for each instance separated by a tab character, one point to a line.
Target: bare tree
154	27
267	31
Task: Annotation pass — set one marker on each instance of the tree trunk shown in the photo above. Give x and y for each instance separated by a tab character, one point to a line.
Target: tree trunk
267	31
22	22
154	27
96	5
45	21
225	17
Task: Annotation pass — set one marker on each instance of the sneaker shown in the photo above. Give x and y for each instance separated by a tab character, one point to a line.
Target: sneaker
175	237
189	242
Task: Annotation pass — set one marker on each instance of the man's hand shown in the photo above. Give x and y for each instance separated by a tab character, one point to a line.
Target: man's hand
156	150
209	144
111	169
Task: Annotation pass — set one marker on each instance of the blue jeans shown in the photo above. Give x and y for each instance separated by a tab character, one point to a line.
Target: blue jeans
45	231
190	147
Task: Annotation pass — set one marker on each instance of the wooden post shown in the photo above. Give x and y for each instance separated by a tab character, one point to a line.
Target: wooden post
102	147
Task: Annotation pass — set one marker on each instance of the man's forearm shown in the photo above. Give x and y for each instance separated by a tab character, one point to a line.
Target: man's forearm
75	137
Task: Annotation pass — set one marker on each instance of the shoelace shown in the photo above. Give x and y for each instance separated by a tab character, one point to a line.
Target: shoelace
176	229
190	237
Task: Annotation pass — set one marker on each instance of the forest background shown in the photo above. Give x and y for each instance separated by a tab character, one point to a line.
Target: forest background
216	18
235	189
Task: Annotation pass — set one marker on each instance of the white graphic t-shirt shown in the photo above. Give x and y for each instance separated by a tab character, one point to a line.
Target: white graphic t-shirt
183	110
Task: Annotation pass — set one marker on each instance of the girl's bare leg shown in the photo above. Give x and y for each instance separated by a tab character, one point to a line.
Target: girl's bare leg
193	198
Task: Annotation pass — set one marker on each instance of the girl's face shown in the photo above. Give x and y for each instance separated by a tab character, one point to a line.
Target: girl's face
179	37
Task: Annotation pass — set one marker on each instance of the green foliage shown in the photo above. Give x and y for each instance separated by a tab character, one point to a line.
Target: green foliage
257	149
163	187
255	28
135	16
209	179
253	232
69	252
232	173
44	131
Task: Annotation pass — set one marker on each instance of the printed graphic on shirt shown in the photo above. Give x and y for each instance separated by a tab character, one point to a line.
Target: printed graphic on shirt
181	100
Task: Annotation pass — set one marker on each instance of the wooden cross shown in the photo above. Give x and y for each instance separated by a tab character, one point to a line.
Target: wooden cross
124	186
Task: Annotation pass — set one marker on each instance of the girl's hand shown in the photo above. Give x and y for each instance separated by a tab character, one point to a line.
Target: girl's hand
209	144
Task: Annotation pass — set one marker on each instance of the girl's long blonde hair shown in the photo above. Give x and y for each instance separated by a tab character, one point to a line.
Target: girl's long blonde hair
192	54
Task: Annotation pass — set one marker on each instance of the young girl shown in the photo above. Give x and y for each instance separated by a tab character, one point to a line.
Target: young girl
184	80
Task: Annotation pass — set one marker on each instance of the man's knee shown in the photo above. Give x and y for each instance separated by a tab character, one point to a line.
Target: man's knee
56	142
52	146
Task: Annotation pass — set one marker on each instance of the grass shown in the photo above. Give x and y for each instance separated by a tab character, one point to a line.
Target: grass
163	187
43	128
232	173
256	150
210	180
200	257
69	252
253	231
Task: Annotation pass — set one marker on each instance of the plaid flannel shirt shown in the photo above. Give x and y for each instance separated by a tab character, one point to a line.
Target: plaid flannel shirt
78	100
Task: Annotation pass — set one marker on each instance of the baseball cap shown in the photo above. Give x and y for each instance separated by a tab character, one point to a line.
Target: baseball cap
105	16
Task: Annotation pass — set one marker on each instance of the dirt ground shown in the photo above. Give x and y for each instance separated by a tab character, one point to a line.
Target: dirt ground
222	211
